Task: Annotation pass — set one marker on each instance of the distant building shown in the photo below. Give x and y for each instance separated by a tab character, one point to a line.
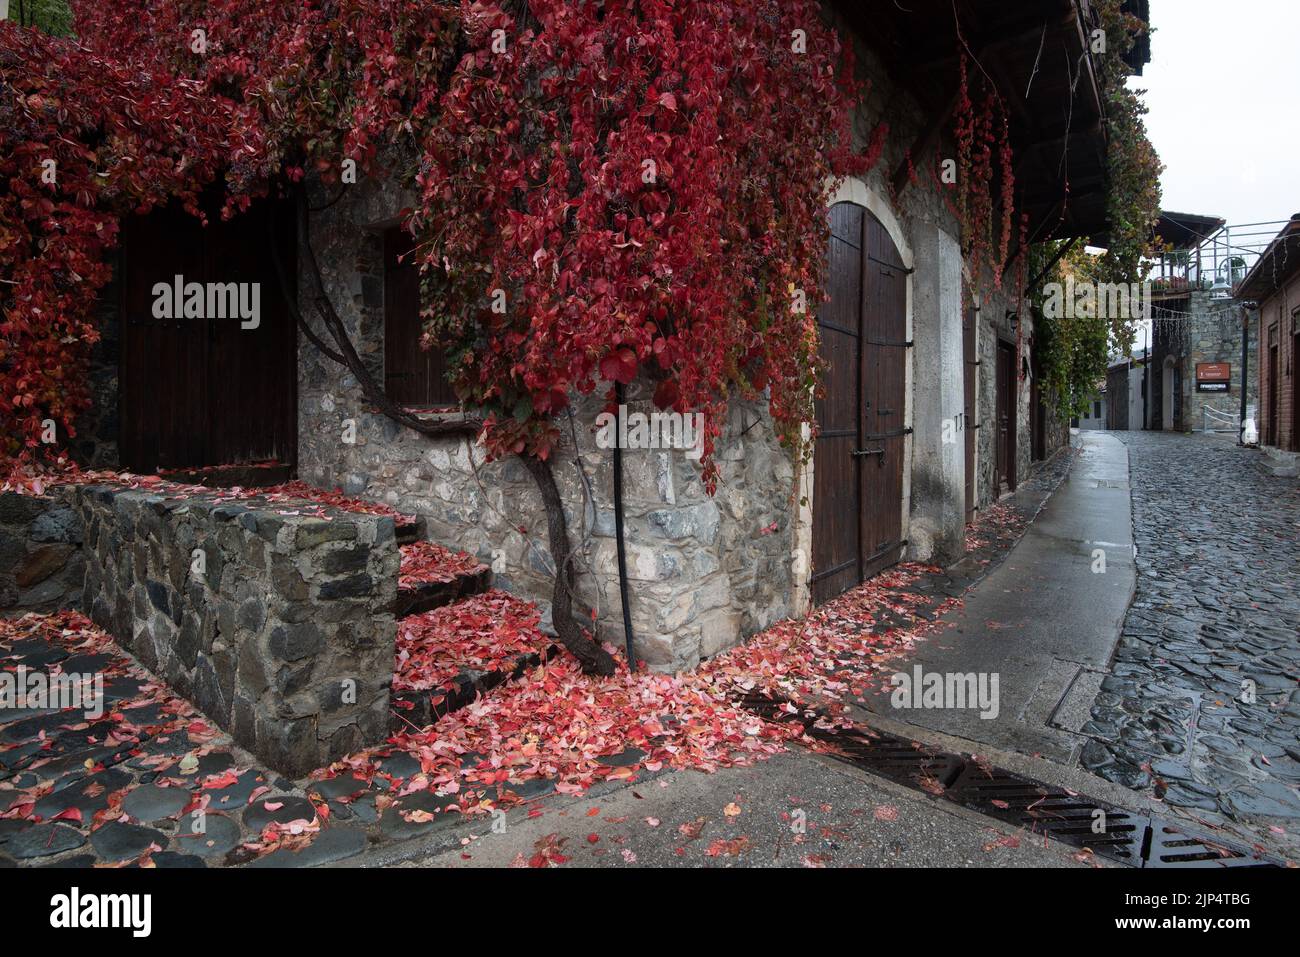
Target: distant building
1124	393
1192	373
1095	419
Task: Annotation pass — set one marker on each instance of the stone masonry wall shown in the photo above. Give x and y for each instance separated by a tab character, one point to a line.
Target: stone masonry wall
1214	335
41	565
278	627
703	571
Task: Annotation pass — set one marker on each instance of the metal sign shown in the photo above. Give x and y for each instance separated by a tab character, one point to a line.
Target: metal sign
1213	377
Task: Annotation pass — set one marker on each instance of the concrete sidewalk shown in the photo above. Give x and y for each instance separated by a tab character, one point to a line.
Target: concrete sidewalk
797	809
1046	620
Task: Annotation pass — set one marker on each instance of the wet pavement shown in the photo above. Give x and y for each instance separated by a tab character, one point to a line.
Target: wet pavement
1046	620
1201	707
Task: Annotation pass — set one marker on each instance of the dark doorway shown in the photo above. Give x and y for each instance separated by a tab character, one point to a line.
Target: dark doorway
858	469
1006	418
1295	393
1037	413
1274	430
203	391
970	422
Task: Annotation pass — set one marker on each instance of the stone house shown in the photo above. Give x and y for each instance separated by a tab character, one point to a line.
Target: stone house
933	409
1194	380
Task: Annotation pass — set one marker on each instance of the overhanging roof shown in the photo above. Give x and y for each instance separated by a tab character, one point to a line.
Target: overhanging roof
1037	54
1275	268
1185	231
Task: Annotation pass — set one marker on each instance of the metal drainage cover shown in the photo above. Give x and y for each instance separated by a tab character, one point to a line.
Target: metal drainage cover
1138	840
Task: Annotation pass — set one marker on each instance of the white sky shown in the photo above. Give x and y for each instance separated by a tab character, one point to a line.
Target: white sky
1224	116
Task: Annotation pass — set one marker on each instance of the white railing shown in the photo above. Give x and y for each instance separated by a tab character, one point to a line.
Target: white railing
1222	418
1222	259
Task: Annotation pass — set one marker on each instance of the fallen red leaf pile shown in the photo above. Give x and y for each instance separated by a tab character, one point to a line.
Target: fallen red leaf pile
997	522
288	498
430	562
559	724
295	490
843	649
486	632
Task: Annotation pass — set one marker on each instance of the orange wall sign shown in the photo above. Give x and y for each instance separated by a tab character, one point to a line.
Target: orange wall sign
1213	376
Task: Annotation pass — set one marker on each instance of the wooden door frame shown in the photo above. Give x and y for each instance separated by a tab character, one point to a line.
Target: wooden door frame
1295	392
1273	376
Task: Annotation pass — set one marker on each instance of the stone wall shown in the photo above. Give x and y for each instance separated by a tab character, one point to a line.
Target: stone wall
703	571
278	627
41	565
1214	335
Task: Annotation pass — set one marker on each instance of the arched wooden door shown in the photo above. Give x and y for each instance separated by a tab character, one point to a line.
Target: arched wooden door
858	466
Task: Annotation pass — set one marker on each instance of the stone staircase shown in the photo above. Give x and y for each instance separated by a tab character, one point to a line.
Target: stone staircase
457	637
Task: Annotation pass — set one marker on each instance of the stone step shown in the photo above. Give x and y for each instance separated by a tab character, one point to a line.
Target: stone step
433	577
259	475
449	656
423	708
426	596
1280	464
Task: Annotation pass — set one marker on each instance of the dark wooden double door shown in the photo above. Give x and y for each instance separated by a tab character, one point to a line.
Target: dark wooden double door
1008	389
858	465
970	390
199	392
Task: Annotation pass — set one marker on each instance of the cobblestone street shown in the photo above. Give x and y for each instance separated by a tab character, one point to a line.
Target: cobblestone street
1201	707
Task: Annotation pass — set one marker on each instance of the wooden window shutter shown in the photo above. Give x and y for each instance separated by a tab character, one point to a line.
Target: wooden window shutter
413	377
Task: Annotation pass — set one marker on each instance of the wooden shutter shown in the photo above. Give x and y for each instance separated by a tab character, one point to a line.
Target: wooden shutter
413	377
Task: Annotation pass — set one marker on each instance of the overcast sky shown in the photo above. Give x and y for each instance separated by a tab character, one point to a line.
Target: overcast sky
1222	88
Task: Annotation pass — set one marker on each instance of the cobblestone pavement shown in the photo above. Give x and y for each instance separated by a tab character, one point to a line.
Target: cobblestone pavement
1202	705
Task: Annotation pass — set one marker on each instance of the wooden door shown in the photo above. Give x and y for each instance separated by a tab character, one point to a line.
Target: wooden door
1006	418
837	472
884	375
1274	427
857	473
205	391
970	418
413	377
1295	392
1038	412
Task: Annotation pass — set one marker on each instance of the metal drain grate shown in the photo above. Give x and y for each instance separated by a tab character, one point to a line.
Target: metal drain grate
1133	839
1055	812
1169	846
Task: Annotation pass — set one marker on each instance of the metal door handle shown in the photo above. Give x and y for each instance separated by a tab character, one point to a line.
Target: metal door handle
867	453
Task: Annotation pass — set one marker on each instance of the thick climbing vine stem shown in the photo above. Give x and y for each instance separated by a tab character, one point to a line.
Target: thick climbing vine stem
593	658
